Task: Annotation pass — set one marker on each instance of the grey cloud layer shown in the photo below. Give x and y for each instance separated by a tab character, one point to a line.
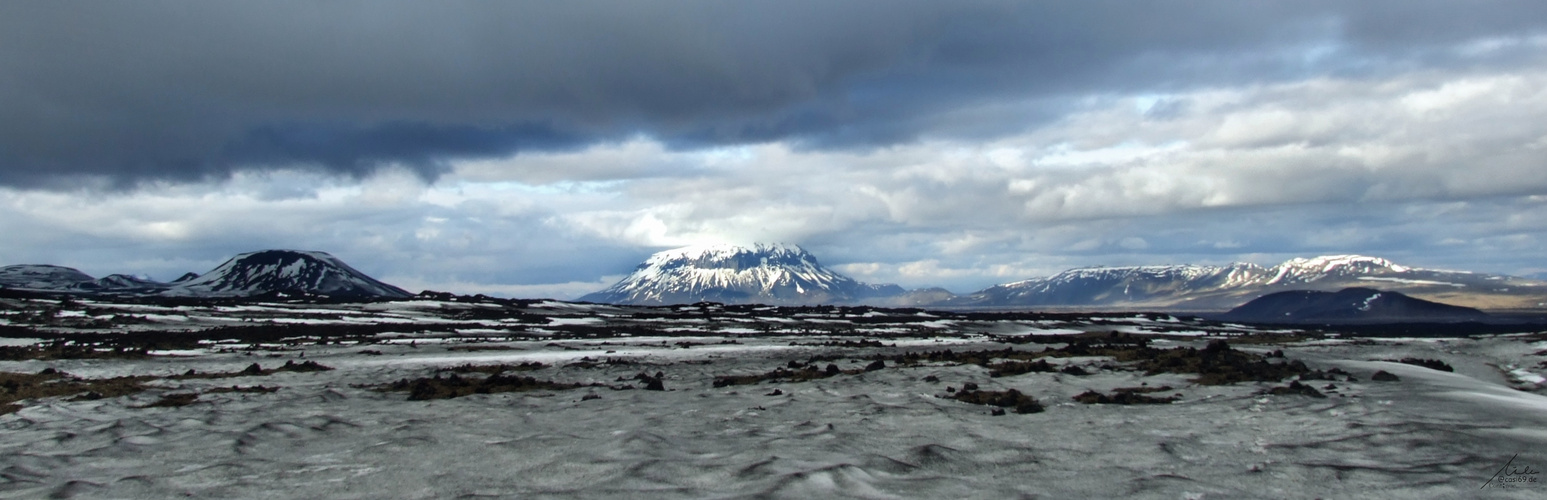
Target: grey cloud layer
130	91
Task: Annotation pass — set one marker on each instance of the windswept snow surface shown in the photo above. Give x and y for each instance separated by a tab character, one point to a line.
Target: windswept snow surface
886	433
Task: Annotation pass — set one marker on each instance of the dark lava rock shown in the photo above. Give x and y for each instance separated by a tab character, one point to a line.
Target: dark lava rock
1074	370
1432	364
1385	376
1009	368
1005	399
1122	398
1297	388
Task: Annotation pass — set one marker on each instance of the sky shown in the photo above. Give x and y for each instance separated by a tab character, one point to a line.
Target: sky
544	149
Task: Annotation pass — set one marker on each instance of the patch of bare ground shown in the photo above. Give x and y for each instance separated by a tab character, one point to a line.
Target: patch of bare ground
495	369
1011	398
180	399
17	387
846	343
476	348
256	370
1128	396
1295	388
795	371
62	350
1215	364
453	386
1432	364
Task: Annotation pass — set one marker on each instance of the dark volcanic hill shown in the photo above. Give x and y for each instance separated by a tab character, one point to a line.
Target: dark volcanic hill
1350	305
760	274
285	271
246	275
41	277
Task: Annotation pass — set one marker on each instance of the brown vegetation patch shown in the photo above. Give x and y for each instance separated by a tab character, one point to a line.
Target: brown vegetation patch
174	400
795	371
61	350
1296	388
846	343
589	362
437	387
1215	364
250	389
1432	364
495	369
16	387
1126	396
1009	368
475	348
1385	376
1003	399
256	370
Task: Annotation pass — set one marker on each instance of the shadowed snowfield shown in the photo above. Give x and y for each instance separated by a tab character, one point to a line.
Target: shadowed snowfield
891	432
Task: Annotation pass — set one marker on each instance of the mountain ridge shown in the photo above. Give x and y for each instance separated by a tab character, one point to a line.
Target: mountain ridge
735	274
263	272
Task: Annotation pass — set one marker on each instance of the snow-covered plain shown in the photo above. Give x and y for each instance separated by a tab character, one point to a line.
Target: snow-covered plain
886	433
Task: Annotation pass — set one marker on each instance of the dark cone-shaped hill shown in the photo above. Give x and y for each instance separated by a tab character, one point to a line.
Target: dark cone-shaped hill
285	271
1350	305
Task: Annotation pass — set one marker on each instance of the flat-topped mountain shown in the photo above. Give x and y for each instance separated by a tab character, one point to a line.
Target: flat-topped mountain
763	274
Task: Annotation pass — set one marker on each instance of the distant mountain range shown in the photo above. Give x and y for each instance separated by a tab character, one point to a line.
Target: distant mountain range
267	272
779	274
1188	287
787	274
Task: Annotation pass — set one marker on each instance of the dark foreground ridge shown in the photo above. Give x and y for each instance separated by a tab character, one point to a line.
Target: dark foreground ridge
1347	306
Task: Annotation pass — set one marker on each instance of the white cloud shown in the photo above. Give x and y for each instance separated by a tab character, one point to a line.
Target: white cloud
1432	169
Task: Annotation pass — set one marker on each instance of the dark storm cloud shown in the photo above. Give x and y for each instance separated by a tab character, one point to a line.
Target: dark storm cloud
131	91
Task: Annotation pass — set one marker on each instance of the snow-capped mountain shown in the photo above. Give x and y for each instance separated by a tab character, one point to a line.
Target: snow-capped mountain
1315	269
1223	287
1106	285
41	277
284	271
763	273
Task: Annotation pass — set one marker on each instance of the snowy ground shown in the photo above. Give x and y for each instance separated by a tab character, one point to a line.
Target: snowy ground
886	433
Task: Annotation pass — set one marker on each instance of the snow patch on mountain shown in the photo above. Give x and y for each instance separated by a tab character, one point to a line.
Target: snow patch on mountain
1308	270
271	271
761	273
